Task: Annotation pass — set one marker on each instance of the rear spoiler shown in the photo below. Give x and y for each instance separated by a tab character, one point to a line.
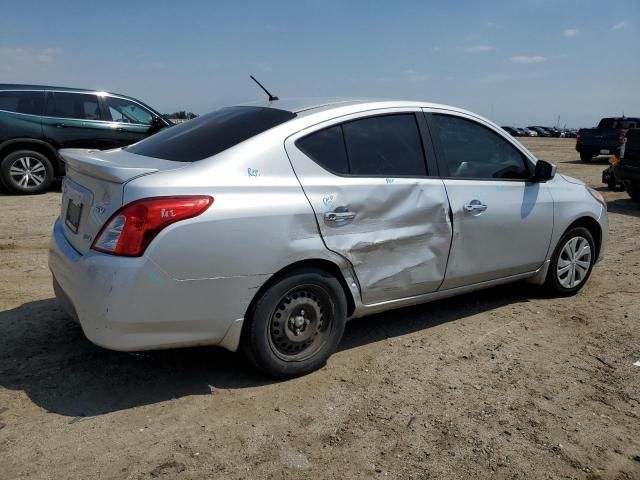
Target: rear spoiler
116	166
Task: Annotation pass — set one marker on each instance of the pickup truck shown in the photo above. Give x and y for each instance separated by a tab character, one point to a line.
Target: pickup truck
606	138
627	169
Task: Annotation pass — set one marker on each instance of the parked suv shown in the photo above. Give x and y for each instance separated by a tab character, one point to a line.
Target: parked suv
36	121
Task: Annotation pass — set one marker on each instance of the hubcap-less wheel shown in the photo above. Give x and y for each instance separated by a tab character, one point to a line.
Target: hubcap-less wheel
574	262
300	323
27	172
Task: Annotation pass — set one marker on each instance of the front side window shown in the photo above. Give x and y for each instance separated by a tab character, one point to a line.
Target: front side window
73	105
473	151
125	111
22	102
383	145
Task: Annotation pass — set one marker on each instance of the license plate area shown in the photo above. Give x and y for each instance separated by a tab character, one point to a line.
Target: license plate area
74	213
604	151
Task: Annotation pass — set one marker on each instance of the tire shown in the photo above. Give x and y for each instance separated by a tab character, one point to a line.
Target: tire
26	172
586	156
634	192
310	302
563	282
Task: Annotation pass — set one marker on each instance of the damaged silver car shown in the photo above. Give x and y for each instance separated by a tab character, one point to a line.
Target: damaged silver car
266	226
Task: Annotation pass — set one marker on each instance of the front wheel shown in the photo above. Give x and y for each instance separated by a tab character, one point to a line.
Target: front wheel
571	263
26	172
296	324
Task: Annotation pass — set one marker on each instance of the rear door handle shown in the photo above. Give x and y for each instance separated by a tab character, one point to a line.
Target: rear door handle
475	206
60	125
339	216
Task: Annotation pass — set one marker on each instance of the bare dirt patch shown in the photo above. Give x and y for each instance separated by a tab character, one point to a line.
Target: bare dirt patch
504	383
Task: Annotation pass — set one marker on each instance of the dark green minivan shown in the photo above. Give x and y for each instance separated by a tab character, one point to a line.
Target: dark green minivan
36	121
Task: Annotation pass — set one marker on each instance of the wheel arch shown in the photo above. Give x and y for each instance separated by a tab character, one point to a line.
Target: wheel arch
594	228
319	263
39	146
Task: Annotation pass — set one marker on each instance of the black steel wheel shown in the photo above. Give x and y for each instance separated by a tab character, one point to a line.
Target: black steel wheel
295	324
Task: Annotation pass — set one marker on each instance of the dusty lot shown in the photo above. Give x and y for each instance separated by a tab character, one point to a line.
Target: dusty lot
504	383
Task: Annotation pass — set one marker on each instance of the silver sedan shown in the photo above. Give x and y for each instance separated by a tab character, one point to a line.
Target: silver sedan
267	226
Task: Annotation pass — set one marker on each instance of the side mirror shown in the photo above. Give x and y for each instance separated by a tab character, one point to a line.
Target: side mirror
544	171
156	124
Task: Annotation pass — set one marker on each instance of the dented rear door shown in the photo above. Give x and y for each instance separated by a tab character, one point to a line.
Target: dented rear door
395	230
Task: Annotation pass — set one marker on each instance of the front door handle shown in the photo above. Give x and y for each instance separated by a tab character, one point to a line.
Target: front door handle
60	125
474	207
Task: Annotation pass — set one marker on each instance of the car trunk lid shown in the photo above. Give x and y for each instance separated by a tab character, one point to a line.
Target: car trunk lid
93	189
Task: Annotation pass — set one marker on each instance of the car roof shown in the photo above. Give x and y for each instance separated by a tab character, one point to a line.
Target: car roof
308	106
22	86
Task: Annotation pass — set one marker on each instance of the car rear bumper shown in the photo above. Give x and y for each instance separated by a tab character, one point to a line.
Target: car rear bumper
598	149
131	304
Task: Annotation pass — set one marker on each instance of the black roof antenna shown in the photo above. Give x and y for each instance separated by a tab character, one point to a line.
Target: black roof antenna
271	97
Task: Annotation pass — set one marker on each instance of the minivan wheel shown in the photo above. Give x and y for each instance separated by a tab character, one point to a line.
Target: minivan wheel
26	172
572	262
296	324
586	156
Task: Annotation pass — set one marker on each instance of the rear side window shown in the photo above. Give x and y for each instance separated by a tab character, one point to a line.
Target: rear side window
327	148
210	134
73	105
473	151
22	102
384	145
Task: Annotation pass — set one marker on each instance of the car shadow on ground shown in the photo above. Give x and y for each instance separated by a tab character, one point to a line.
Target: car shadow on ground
46	355
624	206
594	161
56	186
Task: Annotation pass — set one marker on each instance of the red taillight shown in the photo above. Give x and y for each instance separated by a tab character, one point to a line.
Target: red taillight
132	228
578	135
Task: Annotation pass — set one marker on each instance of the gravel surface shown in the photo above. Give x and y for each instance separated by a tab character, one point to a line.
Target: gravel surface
503	383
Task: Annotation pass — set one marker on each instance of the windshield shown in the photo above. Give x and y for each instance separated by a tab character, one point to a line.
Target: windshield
210	134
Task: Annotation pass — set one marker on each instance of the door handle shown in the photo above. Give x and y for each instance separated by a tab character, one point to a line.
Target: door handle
60	125
475	206
339	216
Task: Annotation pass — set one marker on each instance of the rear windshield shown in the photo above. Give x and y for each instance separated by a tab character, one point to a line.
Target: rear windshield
622	123
210	134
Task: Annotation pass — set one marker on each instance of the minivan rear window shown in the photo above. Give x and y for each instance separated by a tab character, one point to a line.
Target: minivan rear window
210	134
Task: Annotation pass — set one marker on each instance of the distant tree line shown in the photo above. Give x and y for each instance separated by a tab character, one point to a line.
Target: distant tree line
181	115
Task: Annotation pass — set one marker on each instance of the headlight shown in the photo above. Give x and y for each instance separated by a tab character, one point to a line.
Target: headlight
597	195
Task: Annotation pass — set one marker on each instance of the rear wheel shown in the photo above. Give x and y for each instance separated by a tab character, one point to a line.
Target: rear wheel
571	263
634	192
26	172
586	156
296	324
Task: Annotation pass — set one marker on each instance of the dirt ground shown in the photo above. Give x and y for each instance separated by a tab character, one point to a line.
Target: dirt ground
504	383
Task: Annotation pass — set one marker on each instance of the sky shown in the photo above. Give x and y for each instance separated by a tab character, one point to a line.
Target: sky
516	62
